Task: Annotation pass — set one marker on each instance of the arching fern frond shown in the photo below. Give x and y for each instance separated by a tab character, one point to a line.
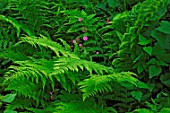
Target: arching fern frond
35	70
73	64
45	42
17	25
95	84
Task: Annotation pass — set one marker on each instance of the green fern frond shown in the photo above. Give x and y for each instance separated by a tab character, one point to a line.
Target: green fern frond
20	103
13	22
16	24
29	90
73	64
79	107
66	46
36	70
12	55
41	70
47	43
95	84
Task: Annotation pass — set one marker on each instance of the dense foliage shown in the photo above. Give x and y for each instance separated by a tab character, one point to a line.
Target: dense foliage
85	56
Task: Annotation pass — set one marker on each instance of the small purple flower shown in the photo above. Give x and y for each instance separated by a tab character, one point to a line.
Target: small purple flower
80	45
97	52
108	21
73	41
80	19
51	95
85	38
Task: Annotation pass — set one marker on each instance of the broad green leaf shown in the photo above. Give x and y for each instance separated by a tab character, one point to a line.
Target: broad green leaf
123	44
145	86
148	50
160	54
140	69
113	3
162	63
163	40
143	40
152	61
137	95
165	79
9	98
154	70
101	6
83	13
9	111
90	16
165	27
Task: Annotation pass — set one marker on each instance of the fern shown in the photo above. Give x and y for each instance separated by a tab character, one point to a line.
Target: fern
57	48
96	84
73	64
73	103
16	24
36	20
49	75
31	71
88	106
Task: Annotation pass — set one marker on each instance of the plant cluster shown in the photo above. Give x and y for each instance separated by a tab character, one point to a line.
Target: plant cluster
84	56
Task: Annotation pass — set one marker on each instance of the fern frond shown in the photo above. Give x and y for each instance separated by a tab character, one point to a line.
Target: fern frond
66	46
20	103
97	83
36	70
16	24
12	55
88	106
27	89
73	64
47	43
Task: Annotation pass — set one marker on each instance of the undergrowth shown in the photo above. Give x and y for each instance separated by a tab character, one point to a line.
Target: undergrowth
67	56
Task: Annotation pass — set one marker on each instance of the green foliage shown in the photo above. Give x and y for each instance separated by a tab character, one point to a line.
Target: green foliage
47	66
79	106
101	84
9	98
45	72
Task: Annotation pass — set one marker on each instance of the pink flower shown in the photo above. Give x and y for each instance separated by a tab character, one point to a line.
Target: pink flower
80	45
78	39
85	38
51	95
73	41
80	19
97	52
108	21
